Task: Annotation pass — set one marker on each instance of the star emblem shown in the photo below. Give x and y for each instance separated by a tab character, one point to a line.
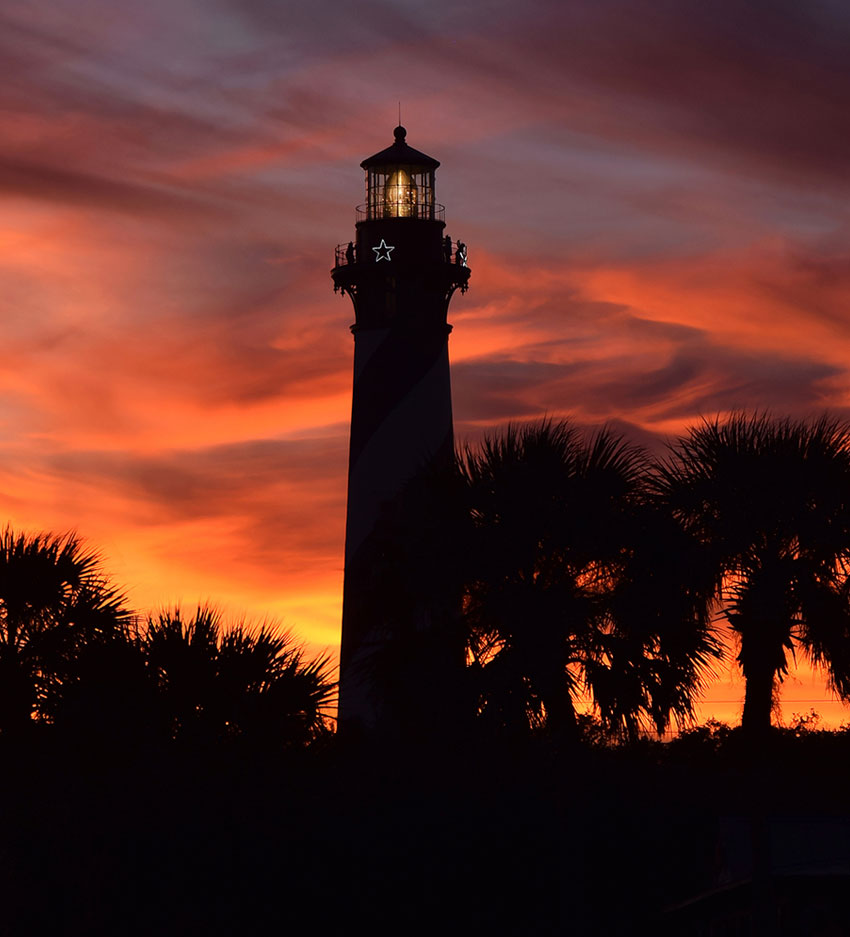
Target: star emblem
382	251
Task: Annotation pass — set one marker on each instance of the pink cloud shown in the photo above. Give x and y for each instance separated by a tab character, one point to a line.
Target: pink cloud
654	204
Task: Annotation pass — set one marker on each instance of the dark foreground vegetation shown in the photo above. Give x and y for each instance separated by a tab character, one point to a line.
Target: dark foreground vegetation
519	838
177	775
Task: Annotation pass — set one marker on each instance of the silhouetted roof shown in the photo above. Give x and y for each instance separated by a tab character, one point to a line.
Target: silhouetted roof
400	152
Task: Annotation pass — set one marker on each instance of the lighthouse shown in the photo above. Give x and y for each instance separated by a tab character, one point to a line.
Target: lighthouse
400	272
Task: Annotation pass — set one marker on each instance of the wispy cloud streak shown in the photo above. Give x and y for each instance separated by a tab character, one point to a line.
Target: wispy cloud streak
655	199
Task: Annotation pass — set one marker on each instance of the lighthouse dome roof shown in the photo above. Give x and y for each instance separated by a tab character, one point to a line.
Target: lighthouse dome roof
400	154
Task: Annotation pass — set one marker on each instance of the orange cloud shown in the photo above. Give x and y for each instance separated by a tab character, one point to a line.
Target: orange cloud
654	208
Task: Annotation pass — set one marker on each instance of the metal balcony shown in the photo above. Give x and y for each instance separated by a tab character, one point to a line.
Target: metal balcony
433	212
342	258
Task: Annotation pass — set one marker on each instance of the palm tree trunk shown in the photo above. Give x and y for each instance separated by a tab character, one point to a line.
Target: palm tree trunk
17	695
761	623
758	700
561	717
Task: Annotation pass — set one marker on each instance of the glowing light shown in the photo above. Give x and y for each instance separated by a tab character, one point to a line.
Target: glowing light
401	195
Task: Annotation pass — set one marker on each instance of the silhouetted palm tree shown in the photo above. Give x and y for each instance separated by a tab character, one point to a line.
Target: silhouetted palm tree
215	682
557	599
770	500
54	600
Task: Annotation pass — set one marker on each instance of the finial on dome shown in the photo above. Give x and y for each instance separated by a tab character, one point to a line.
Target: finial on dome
399	133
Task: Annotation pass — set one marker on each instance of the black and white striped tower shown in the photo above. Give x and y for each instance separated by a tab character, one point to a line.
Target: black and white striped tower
400	273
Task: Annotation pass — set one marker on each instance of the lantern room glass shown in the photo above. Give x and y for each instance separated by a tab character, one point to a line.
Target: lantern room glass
400	192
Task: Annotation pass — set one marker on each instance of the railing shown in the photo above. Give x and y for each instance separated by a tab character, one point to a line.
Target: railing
432	212
346	254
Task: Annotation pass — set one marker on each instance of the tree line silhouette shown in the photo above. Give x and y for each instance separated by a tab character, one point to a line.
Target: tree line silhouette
174	774
74	657
553	566
581	567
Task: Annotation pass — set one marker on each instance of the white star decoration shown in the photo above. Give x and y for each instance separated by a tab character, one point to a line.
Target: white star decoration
382	251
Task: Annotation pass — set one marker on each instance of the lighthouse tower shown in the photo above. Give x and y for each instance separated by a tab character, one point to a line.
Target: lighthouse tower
400	272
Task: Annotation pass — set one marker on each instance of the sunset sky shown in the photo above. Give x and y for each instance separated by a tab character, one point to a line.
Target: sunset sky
654	196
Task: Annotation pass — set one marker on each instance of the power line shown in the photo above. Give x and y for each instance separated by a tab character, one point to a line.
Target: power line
740	699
